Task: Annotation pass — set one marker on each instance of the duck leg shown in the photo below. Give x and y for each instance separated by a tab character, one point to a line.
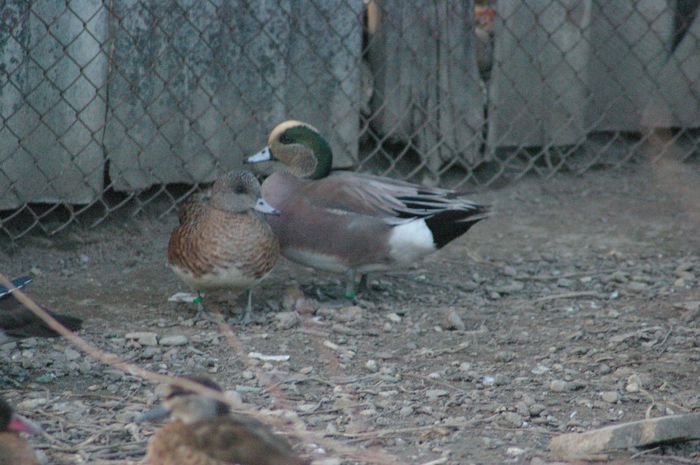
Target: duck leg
202	313
350	287
363	287
248	315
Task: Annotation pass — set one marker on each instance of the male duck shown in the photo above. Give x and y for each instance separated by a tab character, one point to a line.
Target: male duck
352	222
14	450
222	241
205	432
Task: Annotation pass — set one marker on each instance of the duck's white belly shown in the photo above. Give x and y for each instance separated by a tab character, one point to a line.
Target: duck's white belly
230	277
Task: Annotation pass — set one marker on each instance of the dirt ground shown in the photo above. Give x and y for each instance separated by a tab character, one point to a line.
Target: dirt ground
574	307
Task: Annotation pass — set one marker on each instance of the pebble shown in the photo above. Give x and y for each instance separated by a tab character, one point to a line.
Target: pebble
637	286
515	451
610	397
536	409
434	394
406	411
287	320
174	340
351	314
30	404
558	385
453	321
393	317
72	354
509	271
634	383
510	288
512	419
540	370
372	366
144	338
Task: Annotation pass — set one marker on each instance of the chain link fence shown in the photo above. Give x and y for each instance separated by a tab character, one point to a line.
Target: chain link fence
121	102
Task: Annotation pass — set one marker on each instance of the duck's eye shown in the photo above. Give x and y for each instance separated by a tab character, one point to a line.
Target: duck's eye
285	139
240	190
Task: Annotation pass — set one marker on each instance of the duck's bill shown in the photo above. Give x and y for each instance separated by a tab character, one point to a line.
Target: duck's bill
155	414
20	424
263	207
263	155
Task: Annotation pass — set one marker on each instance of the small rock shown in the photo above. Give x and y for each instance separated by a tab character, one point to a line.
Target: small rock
174	340
539	370
453	321
504	356
637	286
393	317
351	314
406	411
558	385
434	394
287	320
372	366
511	288
514	451
634	383
509	271
610	397
72	354
618	276
30	404
512	419
144	338
536	409
291	295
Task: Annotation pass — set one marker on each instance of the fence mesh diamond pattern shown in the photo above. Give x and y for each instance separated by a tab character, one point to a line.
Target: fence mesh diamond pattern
122	102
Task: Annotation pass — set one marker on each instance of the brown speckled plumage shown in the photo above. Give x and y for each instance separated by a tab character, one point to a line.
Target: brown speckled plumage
204	432
223	233
219	441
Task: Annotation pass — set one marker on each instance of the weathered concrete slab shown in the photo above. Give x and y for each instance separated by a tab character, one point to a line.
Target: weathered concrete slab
635	434
52	101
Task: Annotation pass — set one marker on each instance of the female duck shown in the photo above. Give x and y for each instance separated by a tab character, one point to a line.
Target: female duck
222	242
352	222
205	432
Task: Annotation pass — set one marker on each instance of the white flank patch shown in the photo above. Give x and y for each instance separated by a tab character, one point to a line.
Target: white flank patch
411	241
220	278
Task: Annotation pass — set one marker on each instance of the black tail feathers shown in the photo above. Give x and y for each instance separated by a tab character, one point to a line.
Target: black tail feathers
448	225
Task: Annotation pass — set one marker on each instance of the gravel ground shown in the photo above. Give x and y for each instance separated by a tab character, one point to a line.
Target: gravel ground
575	307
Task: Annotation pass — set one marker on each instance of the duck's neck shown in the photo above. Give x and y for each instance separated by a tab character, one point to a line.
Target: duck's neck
324	157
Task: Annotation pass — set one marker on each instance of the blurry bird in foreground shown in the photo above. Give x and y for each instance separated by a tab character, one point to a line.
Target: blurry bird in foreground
18	321
14	450
205	432
222	241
